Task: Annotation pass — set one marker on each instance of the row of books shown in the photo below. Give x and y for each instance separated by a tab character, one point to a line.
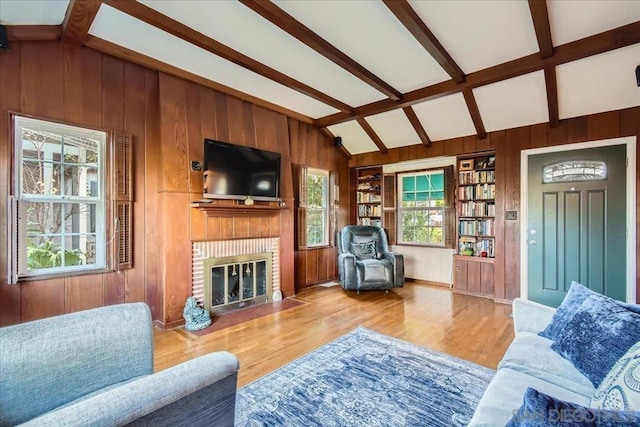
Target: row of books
369	210
369	198
477	209
479	177
479	191
477	245
477	227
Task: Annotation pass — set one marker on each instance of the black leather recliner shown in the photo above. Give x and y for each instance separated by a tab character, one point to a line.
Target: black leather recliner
364	262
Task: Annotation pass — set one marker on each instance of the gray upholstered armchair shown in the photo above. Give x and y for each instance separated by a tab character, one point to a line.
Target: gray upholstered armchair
364	262
95	368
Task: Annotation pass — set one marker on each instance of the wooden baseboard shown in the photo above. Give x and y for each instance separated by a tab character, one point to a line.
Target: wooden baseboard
427	282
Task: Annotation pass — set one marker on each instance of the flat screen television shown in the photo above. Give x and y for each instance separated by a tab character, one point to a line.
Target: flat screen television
237	172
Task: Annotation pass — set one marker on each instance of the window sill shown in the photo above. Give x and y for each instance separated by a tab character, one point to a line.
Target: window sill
421	245
88	272
311	248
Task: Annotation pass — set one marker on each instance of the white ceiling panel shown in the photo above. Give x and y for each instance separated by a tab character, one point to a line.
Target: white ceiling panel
577	19
354	138
238	27
41	12
513	103
370	34
394	128
446	117
487	32
599	83
136	35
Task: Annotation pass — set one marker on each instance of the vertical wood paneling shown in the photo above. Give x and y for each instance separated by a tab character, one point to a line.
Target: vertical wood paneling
83	293
119	287
173	134
113	109
176	255
40	299
42	92
195	141
222	117
576	130
515	140
498	140
83	99
208	114
603	125
134	280
9	100
150	162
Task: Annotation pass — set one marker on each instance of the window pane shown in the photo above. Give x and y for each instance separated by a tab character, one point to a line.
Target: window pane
408	183
437	182
41	177
79	218
422	184
75	249
43	218
575	170
78	180
44	252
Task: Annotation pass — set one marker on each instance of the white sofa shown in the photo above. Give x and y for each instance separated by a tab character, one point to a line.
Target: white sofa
530	362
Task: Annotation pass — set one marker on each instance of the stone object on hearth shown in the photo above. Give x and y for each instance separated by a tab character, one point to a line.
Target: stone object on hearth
195	317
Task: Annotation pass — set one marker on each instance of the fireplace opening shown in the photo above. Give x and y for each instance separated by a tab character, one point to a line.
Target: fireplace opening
235	282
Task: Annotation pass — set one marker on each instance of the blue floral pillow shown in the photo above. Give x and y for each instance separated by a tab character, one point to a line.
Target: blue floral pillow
599	333
364	250
541	410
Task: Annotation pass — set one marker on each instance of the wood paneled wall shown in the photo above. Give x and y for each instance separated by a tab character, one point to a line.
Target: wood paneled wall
508	144
310	147
188	114
168	118
76	85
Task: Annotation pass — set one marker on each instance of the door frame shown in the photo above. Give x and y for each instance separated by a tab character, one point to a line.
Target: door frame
630	249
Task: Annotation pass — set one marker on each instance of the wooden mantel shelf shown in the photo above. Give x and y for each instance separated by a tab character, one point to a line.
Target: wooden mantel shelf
213	209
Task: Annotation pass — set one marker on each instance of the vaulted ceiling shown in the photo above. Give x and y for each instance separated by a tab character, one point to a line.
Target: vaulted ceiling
377	73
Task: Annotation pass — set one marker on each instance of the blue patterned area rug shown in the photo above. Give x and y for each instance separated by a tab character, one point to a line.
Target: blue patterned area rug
365	379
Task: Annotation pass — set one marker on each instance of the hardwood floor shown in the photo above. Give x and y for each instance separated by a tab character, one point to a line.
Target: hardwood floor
471	328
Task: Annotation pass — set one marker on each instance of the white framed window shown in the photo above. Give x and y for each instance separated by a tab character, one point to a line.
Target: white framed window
317	198
422	208
60	199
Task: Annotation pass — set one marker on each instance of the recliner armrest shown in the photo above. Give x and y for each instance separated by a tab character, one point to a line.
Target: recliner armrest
202	389
398	267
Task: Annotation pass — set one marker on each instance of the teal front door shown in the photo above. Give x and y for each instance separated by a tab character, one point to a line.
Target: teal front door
576	228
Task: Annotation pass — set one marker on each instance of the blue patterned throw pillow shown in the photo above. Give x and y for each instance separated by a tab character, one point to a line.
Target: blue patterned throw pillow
572	301
598	334
575	297
541	410
621	388
364	250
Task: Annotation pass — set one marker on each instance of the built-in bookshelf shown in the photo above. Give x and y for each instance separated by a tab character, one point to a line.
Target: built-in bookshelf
476	206
369	196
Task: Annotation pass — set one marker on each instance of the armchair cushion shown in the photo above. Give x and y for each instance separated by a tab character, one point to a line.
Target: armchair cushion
364	250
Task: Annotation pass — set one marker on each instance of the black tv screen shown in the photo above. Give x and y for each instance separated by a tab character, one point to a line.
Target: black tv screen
236	172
